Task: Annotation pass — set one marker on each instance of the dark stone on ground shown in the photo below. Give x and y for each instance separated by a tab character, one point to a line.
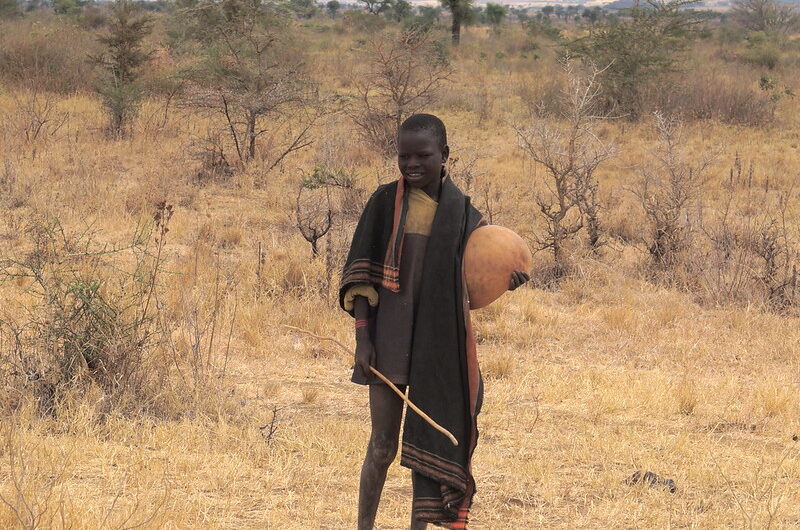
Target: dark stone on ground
651	479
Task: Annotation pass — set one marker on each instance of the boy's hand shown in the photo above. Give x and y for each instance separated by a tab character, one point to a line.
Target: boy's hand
517	279
365	353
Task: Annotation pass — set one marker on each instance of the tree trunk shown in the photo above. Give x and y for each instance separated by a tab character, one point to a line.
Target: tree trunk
251	136
593	228
560	262
455	10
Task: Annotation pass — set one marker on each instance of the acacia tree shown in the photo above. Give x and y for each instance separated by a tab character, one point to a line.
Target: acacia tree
637	50
403	73
251	76
333	7
121	63
495	14
460	13
376	7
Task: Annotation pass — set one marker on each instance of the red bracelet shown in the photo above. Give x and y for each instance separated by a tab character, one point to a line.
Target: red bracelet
362	323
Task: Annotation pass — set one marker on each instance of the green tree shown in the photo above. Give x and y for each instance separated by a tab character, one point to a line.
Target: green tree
400	10
376	7
635	51
548	10
9	9
121	64
303	8
333	7
592	15
66	7
460	12
429	15
495	14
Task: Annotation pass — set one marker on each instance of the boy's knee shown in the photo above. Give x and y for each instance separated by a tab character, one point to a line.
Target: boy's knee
383	450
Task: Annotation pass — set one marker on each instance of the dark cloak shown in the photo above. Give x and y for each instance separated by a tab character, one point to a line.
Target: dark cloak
444	380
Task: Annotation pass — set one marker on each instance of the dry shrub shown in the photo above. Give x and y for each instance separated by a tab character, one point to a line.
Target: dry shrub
686	397
669	190
209	151
35	492
198	323
34	120
621	318
570	153
752	246
288	271
48	51
310	394
89	317
498	365
16	189
95	317
542	94
713	96
775	397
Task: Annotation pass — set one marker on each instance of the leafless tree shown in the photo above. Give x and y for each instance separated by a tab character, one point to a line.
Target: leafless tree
765	15
667	191
774	247
403	74
570	153
462	166
314	216
753	255
35	117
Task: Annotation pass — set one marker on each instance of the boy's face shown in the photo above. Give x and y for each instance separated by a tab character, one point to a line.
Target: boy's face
420	158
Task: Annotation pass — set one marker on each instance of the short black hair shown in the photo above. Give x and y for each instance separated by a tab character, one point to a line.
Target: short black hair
427	122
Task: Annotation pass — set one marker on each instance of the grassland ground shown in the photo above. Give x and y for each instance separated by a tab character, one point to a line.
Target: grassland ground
606	375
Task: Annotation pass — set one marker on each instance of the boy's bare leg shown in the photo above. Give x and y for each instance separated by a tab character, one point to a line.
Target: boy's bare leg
386	411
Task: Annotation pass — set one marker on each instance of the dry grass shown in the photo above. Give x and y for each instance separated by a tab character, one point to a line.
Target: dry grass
585	384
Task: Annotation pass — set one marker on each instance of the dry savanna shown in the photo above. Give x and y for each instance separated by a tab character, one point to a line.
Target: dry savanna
180	182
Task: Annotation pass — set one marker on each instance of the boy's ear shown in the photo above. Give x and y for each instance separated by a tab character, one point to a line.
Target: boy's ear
445	153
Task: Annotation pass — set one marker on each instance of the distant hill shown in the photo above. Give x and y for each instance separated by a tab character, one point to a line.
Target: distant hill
709	4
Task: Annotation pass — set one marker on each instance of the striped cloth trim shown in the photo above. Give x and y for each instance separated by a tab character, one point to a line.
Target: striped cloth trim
366	271
448	473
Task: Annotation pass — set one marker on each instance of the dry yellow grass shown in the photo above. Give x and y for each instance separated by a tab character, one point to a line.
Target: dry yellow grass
585	385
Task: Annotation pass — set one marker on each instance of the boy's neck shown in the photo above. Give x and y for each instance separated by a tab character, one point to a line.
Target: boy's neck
433	189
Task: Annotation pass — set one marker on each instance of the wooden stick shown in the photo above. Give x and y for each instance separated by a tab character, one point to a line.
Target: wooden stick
385	380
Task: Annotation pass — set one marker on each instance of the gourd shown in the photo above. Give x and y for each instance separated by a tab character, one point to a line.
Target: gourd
491	255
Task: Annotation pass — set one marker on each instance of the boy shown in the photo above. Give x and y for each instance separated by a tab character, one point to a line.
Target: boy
404	283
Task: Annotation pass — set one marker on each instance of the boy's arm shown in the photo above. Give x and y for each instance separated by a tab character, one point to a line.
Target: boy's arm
365	351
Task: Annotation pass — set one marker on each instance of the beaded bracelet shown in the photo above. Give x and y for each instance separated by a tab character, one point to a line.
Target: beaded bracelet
362	323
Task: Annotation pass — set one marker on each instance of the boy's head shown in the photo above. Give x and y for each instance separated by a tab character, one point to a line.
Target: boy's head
422	150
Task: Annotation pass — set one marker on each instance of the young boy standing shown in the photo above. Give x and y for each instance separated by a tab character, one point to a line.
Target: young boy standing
404	283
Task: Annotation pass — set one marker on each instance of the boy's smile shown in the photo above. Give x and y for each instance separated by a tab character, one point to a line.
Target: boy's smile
420	159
